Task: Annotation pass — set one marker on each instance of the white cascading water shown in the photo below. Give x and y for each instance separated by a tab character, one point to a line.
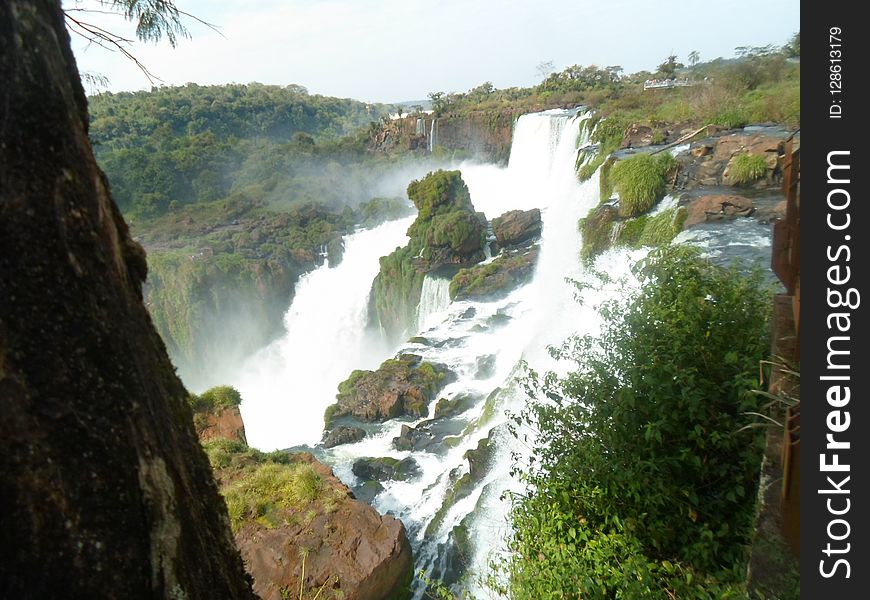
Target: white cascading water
434	298
287	385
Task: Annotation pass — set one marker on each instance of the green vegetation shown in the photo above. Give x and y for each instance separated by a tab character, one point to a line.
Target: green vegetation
760	85
214	276
656	230
378	210
746	168
233	191
645	471
215	399
270	487
235	455
640	181
602	230
183	145
597	232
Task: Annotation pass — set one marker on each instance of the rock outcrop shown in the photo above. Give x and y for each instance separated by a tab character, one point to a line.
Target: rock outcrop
447	233
717	207
517	226
299	528
708	160
343	435
225	423
401	386
496	279
105	490
332	543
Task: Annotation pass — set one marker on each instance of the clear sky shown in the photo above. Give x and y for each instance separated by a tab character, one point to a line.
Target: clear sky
396	50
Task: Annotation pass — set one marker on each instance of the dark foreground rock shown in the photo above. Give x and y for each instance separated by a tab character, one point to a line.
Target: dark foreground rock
105	490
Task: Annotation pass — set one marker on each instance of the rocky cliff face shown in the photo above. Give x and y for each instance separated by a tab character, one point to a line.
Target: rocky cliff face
105	491
484	134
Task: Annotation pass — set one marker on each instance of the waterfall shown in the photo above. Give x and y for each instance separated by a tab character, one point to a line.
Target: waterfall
483	343
434	298
433	131
287	385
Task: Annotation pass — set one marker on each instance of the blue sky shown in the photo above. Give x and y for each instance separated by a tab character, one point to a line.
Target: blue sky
394	50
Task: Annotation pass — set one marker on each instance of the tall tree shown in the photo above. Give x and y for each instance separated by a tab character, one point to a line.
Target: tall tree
670	66
104	489
694	58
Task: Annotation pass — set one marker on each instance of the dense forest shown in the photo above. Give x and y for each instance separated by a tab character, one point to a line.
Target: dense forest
182	145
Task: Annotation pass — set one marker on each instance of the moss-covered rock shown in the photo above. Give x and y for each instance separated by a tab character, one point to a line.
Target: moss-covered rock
654	230
596	230
454	406
398	387
496	279
447	232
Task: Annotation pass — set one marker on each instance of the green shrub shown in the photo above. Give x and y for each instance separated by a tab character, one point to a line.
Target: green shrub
643	479
640	181
746	168
215	399
440	191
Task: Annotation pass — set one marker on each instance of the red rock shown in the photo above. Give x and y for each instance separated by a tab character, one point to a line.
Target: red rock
350	548
224	424
712	208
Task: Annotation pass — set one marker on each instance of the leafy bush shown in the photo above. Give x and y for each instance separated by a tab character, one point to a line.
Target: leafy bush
643	478
640	181
440	191
215	399
746	168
